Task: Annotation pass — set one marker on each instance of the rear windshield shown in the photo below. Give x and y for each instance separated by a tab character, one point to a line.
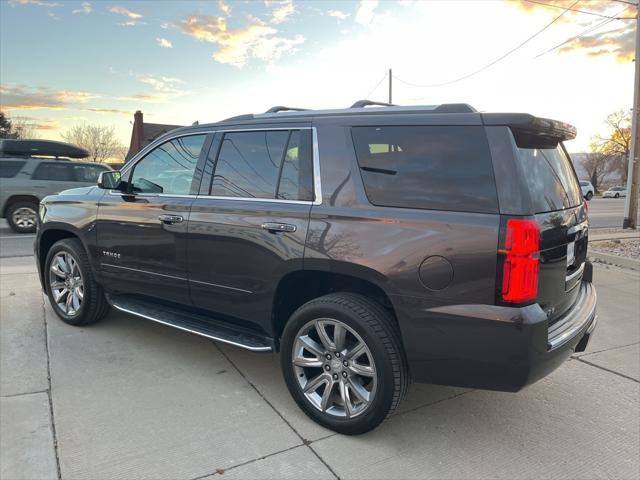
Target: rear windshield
9	169
427	167
552	181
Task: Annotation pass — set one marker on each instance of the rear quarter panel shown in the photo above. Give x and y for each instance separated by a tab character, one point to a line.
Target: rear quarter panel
387	246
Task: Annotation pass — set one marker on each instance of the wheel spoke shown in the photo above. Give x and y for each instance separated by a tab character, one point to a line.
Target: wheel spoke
80	292
75	300
346	400
339	335
324	337
364	370
306	362
57	284
62	264
311	346
359	391
313	384
356	351
68	302
56	271
327	395
57	296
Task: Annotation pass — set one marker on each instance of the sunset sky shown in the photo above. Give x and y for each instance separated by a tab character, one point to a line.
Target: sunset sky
63	63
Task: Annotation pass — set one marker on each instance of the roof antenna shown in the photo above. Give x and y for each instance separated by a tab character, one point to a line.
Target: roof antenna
195	123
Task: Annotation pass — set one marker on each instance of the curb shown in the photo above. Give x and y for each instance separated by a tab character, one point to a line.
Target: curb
617	260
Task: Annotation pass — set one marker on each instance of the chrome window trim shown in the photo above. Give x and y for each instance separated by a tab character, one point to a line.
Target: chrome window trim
317	184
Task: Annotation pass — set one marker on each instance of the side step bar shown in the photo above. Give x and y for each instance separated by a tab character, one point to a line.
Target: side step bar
194	323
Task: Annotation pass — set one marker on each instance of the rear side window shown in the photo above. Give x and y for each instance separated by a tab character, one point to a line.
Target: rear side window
9	169
55	171
551	179
264	164
427	167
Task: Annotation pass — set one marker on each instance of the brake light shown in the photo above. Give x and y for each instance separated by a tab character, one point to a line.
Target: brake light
522	261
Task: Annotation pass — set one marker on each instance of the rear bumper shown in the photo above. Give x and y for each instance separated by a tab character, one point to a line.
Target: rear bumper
492	347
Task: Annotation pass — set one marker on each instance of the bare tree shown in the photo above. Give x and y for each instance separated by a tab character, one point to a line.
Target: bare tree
598	165
617	143
24	129
99	141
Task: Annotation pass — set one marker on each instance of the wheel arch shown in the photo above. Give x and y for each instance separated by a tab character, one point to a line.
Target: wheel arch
18	198
50	236
300	286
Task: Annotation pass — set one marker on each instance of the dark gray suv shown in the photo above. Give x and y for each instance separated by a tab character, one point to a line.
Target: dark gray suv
368	245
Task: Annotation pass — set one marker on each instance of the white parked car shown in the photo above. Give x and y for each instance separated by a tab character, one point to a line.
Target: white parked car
587	189
615	192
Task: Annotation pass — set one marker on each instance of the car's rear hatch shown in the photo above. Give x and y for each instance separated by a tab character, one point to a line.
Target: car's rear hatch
560	212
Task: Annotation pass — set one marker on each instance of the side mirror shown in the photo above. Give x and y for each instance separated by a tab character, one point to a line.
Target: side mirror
109	180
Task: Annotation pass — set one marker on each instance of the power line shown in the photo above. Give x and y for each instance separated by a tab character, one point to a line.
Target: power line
582	11
585	32
377	85
496	60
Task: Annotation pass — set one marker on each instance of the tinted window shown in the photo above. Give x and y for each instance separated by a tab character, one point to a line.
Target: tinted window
552	182
88	173
584	184
296	177
248	164
9	169
168	168
429	167
61	171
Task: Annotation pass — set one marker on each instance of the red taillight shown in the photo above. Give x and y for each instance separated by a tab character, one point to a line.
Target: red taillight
521	263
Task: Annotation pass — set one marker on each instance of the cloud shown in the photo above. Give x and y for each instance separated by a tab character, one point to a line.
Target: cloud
238	46
85	7
36	123
338	14
284	10
620	43
164	43
126	12
224	8
366	11
143	97
14	97
162	84
107	110
40	3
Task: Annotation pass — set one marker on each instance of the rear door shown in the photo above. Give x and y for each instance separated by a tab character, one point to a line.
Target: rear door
558	207
53	177
248	226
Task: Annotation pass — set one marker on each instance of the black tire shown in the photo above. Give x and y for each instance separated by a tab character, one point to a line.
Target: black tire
15	209
589	195
617	195
378	330
94	305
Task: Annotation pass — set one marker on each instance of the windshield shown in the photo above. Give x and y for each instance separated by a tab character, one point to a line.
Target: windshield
552	181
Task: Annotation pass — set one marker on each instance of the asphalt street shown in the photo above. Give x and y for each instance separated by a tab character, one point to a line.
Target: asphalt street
603	212
130	399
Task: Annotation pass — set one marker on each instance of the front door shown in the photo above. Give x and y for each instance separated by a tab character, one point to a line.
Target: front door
248	228
141	231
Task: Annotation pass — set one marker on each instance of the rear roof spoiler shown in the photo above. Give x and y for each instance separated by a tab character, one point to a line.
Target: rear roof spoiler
525	123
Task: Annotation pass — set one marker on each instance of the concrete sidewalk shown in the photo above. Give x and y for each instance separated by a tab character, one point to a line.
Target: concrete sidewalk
129	398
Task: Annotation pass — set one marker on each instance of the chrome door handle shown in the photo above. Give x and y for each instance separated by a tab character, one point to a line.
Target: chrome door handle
170	219
278	227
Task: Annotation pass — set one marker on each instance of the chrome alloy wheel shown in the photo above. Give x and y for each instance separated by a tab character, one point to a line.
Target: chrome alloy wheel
65	281
334	368
24	217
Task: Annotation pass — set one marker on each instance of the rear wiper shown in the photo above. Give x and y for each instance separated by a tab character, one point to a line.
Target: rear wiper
383	171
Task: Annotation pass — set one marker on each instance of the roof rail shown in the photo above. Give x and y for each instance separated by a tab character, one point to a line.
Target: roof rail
366	103
280	108
455	108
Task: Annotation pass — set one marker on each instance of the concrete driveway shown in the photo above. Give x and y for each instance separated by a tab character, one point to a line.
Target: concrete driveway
128	398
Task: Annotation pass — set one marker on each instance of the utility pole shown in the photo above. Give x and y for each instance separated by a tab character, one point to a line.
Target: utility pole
631	202
391	84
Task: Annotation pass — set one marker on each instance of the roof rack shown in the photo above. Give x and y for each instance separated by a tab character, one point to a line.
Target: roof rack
366	103
281	108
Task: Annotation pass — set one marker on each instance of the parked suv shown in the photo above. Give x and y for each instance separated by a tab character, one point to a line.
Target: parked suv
367	245
25	179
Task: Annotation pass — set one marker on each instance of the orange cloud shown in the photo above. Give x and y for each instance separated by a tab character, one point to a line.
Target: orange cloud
14	97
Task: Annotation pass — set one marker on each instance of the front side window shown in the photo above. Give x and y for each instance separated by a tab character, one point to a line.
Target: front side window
264	164
169	168
427	167
88	173
61	171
